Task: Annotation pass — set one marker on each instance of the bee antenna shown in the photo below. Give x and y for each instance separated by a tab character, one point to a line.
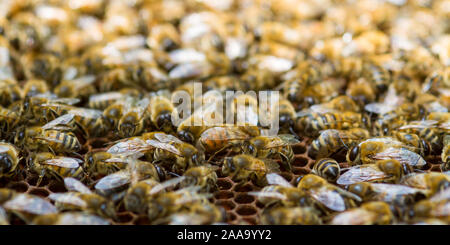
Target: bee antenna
174	174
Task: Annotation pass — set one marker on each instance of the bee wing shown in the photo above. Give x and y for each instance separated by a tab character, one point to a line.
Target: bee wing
114	180
392	191
276	179
321	108
445	126
166	138
66	101
86	113
402	155
167	184
286	139
73	184
353	217
421	124
164	146
68	198
63	120
106	96
30	204
128	146
275	195
328	197
64	162
441	210
362	173
379	108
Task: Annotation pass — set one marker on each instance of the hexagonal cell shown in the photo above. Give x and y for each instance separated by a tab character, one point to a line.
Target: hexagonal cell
243	188
244	198
223	195
19	186
226	204
224	184
56	186
250	220
33	179
300	171
231	217
124	217
142	220
300	161
42	192
436	168
246	210
299	149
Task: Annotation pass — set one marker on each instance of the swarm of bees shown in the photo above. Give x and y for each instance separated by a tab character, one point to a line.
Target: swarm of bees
87	90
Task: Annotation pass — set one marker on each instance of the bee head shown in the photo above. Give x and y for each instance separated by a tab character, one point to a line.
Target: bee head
6	163
164	119
353	155
422	209
186	136
362	189
127	126
311	181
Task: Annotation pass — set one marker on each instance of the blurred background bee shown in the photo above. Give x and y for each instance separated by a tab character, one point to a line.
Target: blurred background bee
9	159
290	216
70	218
161	109
327	168
370	213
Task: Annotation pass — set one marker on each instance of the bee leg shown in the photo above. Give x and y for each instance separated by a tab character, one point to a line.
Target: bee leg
287	163
291	130
215	153
83	130
41	176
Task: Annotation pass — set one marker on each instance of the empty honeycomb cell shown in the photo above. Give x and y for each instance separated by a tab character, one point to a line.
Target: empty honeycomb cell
250	220
436	168
224	184
42	192
300	171
125	217
224	195
300	162
243	188
299	149
226	204
19	186
259	205
246	210
56	186
33	179
142	220
244	198
231	217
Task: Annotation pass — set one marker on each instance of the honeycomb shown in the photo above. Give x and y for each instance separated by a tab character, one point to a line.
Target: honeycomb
240	207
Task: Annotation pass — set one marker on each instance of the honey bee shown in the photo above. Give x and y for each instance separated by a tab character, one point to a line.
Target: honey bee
311	123
371	213
70	218
103	100
161	109
204	176
340	103
10	91
9	159
81	87
89	121
198	214
445	156
281	192
258	79
331	197
430	209
6	195
38	138
268	146
390	193
190	129
331	140
245	167
96	163
435	81
89	202
384	148
43	66
428	130
133	119
114	184
420	145
327	168
378	76
9	118
216	139
362	91
432	181
290	216
46	163
164	37
286	116
388	171
27	207
43	107
35	86
168	203
171	150
137	195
